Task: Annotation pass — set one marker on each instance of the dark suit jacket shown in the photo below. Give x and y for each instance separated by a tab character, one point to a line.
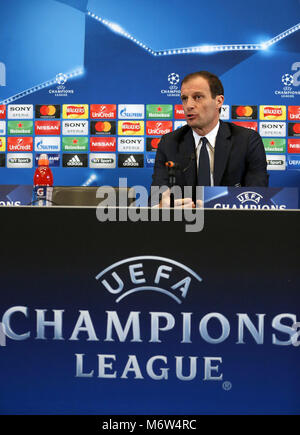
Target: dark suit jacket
240	157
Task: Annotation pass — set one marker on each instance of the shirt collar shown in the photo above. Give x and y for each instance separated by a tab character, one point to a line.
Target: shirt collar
211	136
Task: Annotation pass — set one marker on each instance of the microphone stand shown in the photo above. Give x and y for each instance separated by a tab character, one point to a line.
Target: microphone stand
172	179
172	166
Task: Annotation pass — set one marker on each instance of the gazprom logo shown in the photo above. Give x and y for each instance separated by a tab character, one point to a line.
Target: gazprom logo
148	273
2	74
249	197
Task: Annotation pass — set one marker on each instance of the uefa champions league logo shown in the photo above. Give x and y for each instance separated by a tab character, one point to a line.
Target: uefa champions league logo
250	196
148	273
173	89
61	78
61	90
290	82
287	79
173	78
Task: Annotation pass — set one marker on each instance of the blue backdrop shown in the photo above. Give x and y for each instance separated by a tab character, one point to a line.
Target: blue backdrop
122	53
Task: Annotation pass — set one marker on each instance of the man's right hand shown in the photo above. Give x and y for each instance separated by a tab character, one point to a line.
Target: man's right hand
178	203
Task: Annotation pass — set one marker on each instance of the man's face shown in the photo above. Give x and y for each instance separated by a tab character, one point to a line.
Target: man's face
200	109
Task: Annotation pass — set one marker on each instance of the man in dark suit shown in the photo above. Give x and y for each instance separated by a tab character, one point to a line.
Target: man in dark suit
207	151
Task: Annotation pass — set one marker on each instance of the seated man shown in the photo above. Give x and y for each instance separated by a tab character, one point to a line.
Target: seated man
208	151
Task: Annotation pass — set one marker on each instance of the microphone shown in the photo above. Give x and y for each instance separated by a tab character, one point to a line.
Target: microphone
172	165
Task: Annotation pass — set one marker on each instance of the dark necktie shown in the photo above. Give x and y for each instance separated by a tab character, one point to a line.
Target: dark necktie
204	165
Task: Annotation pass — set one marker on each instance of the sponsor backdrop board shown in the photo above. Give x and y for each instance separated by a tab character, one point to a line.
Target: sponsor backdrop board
107	81
152	327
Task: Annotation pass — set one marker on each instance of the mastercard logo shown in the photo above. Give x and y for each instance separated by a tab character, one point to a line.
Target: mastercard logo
296	128
103	127
152	143
155	142
47	111
244	112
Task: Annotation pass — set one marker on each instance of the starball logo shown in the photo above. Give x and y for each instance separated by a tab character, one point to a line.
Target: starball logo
290	81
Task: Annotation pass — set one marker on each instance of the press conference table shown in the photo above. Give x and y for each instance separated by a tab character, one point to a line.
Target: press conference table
132	317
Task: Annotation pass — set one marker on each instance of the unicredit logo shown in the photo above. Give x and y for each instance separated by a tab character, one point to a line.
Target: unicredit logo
20	147
103	111
19	144
294	113
159	127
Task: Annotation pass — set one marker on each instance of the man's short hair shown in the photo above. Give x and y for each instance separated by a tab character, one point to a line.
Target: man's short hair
215	84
